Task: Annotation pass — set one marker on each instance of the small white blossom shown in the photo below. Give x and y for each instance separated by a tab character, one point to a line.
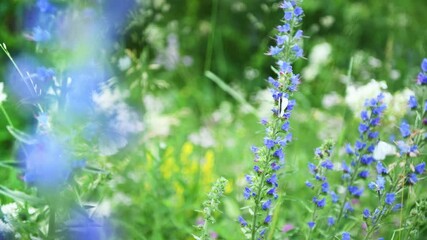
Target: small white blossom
3	95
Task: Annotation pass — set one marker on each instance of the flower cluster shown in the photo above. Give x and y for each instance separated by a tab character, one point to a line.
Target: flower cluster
210	206
263	183
320	183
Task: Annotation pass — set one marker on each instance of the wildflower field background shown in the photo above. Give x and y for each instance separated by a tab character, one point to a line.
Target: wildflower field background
119	116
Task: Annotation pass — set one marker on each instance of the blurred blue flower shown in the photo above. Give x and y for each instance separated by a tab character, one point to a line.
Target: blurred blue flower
346	236
405	129
331	221
420	168
389	198
242	221
412	103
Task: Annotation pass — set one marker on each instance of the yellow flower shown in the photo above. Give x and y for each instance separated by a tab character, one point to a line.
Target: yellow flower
169	167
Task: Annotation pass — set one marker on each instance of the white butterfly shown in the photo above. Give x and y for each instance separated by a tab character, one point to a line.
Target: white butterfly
383	149
283	103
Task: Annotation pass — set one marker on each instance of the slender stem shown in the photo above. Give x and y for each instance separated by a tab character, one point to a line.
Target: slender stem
6	115
52	222
209	48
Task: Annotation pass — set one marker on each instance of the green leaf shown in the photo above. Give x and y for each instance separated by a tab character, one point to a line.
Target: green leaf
93	169
21	136
10	164
20	196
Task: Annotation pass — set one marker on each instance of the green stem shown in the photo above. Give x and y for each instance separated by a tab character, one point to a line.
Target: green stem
6	115
52	222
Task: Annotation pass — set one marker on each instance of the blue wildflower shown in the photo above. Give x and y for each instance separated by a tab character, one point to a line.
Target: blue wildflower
334	197
405	129
312	168
284	28
319	203
248	179
309	184
349	149
397	207
366	159
298	11
373	135
424	65
247	193
325	187
242	221
298	51
381	169
355	191
272	180
389	198
280	40
269	143
346	236
285	126
288	16
378	185
311	225
275	166
412	103
363	128
274	51
267	219
366	213
411	179
364	174
364	115
40	35
266	205
420	168
331	221
348	208
360	145
284	67
327	164
257	169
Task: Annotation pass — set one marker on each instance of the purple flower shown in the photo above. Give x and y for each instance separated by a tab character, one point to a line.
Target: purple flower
311	225
422	79
242	221
285	67
389	198
405	129
312	168
298	34
412	103
298	51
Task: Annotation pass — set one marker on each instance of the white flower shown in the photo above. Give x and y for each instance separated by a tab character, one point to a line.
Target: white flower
319	56
383	149
3	95
356	96
10	209
203	138
331	99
